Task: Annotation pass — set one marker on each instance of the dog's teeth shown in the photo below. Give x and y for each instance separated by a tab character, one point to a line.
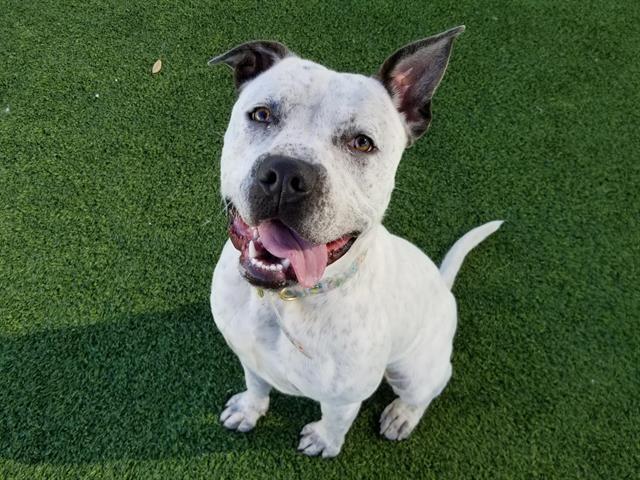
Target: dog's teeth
286	262
252	250
254	230
260	264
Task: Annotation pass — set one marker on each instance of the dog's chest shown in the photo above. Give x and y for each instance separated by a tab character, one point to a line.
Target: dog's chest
317	350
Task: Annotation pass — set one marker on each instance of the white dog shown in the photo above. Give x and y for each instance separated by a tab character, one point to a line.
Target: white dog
311	292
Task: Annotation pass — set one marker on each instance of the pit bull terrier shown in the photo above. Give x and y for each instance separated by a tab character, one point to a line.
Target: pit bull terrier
311	292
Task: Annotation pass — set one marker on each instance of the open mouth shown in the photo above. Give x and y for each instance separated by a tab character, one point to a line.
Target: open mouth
273	255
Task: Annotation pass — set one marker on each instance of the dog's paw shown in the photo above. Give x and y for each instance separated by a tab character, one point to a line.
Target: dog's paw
243	411
315	440
399	419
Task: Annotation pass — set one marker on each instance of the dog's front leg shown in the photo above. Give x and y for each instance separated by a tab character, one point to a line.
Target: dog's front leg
326	436
245	408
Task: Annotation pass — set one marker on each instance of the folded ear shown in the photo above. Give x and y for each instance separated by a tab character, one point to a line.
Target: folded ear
251	59
412	74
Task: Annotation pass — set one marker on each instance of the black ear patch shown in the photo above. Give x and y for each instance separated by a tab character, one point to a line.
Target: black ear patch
412	74
251	59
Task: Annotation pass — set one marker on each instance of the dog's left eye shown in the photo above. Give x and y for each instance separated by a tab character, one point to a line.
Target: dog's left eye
261	114
362	143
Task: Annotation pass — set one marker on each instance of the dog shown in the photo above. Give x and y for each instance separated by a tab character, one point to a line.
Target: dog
311	292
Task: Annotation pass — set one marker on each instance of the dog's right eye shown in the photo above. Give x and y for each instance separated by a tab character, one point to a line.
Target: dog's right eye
260	114
362	143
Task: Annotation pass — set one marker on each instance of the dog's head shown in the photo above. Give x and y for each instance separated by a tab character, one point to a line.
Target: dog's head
310	154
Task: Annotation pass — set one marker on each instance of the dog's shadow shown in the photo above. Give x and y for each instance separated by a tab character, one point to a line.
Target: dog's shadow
140	387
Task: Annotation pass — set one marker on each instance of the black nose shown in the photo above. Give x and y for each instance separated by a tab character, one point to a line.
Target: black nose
286	180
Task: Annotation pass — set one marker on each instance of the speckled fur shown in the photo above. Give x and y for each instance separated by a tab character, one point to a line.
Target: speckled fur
312	98
395	318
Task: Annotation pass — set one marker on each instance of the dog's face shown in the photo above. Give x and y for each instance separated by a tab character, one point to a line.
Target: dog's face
302	111
310	154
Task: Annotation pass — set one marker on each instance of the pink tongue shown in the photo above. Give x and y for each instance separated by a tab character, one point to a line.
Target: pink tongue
308	261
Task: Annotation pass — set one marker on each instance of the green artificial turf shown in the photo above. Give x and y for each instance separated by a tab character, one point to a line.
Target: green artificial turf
111	223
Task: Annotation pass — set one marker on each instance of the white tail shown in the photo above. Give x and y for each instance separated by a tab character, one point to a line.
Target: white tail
455	256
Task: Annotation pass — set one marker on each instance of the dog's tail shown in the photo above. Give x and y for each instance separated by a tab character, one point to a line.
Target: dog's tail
454	257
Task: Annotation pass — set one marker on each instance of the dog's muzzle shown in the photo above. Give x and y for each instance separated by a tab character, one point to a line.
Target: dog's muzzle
278	241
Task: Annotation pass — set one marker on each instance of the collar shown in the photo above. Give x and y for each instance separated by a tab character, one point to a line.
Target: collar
289	294
293	293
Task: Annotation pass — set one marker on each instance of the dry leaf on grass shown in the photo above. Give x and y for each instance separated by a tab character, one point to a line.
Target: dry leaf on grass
156	66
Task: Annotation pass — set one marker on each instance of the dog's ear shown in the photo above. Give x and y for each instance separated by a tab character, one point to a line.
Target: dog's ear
412	74
251	59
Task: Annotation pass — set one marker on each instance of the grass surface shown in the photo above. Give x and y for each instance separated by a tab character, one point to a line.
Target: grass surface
110	226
